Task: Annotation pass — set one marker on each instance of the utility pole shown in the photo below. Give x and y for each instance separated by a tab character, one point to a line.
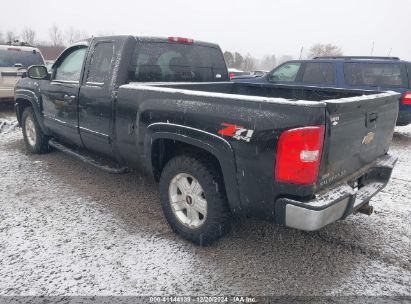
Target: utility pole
372	48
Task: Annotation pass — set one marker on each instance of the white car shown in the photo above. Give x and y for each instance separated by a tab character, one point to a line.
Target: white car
14	61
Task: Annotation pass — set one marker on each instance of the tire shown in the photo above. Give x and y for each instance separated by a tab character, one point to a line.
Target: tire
34	139
198	222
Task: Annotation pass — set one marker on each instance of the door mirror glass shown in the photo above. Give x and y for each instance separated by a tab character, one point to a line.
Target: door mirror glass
37	72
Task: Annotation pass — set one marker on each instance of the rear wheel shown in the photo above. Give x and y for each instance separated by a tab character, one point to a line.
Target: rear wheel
35	140
193	199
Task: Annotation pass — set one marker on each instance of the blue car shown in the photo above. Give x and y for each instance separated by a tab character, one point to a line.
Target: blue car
365	73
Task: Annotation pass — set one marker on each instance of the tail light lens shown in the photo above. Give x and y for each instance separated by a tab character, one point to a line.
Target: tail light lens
231	75
299	155
181	40
406	98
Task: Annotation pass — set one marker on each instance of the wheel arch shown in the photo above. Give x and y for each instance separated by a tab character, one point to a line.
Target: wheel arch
168	140
24	99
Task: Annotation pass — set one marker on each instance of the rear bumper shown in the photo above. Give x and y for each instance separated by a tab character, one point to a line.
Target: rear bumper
336	202
6	93
404	118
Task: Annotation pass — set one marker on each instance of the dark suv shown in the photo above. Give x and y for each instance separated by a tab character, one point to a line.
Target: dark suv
365	73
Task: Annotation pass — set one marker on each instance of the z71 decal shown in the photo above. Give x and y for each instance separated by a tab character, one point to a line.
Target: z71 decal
237	132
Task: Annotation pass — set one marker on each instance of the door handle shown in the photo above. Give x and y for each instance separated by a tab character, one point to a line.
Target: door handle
69	98
371	119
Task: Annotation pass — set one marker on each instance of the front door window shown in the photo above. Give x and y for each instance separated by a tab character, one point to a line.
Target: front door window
285	73
69	68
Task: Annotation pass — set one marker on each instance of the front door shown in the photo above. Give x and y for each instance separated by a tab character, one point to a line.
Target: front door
60	95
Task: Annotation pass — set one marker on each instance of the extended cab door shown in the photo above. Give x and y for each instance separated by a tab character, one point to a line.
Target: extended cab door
60	95
97	96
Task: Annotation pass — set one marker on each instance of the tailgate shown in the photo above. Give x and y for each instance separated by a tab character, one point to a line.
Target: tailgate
359	130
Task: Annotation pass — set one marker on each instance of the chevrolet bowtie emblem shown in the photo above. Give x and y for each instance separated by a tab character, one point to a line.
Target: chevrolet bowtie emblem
368	138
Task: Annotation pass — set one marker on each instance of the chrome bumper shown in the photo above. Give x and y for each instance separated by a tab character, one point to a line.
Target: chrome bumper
337	202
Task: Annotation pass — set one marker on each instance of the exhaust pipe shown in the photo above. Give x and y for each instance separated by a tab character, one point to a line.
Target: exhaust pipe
366	209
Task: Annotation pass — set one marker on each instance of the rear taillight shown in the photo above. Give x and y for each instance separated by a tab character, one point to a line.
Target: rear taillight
181	40
299	155
406	98
231	75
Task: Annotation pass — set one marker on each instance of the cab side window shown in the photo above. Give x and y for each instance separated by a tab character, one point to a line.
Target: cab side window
375	74
287	72
318	73
100	65
69	69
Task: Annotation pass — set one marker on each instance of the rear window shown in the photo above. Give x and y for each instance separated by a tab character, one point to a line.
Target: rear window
375	74
164	62
318	73
8	58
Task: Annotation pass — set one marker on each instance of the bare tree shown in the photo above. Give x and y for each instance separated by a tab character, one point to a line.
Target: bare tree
284	58
238	61
268	62
318	50
56	36
229	58
72	35
1	38
249	63
10	37
28	35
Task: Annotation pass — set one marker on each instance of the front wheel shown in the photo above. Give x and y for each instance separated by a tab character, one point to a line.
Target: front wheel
35	140
193	199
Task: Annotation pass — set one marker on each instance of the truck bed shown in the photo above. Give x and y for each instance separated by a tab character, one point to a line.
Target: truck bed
350	118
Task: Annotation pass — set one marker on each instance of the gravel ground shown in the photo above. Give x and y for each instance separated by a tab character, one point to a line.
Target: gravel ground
69	229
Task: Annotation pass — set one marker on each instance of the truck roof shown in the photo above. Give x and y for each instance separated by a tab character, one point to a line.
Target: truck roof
171	38
156	39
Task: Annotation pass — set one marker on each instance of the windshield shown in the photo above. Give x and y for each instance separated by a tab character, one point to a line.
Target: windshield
8	58
177	62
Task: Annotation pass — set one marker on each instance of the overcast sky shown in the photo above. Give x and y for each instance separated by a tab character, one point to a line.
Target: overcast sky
258	27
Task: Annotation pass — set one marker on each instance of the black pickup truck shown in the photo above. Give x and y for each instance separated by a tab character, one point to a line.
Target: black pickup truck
303	157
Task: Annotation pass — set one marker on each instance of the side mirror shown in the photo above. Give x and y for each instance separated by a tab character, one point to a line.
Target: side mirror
37	72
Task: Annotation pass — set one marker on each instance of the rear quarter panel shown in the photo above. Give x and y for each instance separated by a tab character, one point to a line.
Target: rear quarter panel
138	108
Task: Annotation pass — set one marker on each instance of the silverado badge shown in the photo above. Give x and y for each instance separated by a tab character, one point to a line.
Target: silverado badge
368	138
